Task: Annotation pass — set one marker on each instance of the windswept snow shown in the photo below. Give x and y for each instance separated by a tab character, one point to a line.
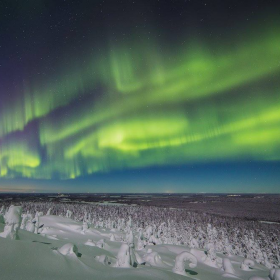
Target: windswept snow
80	244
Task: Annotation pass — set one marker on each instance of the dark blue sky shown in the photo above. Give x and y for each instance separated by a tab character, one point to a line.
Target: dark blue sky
238	177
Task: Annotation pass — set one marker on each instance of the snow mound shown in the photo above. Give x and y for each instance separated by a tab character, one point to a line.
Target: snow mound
68	249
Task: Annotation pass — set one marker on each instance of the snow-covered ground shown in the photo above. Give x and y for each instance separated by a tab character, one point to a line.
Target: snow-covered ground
64	248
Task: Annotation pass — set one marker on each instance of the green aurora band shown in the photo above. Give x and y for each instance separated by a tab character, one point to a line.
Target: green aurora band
136	106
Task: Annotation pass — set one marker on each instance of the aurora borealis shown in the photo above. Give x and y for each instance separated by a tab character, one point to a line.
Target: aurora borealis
90	90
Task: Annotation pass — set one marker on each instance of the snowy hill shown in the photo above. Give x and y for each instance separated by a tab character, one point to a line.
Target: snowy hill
38	256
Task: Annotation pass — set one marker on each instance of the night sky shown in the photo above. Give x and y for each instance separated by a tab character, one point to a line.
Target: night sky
140	96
